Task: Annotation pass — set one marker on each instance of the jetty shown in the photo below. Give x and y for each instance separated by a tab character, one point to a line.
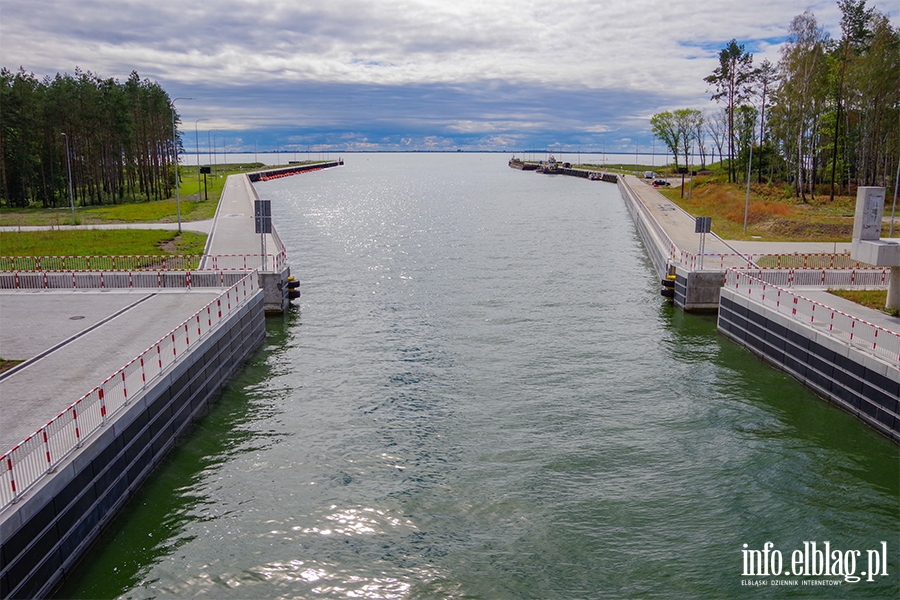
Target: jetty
772	298
121	361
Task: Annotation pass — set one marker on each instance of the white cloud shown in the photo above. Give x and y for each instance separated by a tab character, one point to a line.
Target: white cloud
649	48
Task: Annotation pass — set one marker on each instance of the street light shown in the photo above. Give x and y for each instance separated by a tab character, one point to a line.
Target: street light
208	146
197	149
69	177
175	152
749	175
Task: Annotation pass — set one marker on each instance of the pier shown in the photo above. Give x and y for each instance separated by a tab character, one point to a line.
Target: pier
772	298
846	353
147	350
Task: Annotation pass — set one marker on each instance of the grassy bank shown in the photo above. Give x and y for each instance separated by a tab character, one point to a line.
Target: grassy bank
101	242
875	299
197	204
774	214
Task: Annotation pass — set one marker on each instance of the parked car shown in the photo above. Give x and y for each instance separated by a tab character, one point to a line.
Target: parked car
661	182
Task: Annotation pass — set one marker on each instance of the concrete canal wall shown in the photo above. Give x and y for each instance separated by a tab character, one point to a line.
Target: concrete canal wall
646	227
277	173
54	517
846	374
47	531
856	380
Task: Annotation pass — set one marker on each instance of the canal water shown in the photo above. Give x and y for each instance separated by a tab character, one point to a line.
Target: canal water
481	394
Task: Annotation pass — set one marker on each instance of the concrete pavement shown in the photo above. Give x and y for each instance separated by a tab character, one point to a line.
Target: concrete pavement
679	226
72	341
233	230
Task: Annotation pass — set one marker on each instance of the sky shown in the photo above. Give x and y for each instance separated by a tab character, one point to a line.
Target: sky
402	75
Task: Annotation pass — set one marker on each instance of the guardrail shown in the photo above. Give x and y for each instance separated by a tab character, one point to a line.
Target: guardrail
247	262
77	280
874	277
666	242
41	452
163	262
860	333
773	261
723	261
168	262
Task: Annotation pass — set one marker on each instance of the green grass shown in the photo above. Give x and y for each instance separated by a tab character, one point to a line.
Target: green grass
773	216
165	211
100	242
193	206
870	298
6	365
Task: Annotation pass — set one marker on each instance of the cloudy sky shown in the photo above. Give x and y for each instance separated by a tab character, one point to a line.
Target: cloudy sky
573	75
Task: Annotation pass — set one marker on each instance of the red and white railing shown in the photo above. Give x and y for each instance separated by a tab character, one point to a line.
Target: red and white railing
152	263
85	280
41	452
860	333
874	277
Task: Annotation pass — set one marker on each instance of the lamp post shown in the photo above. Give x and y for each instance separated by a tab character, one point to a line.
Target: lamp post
749	174
175	153
69	178
197	150
208	146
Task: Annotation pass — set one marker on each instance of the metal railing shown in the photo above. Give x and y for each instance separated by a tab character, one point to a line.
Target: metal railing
163	263
723	261
668	246
84	280
246	262
41	452
874	277
861	334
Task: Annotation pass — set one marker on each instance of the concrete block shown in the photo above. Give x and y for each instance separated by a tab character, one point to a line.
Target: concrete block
881	253
869	210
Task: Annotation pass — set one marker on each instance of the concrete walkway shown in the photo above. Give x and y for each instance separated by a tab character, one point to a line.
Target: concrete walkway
72	341
233	230
679	226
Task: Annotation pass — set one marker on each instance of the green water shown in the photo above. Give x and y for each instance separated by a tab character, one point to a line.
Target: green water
481	395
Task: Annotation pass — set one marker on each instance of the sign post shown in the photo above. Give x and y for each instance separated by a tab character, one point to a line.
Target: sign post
262	213
205	171
702	226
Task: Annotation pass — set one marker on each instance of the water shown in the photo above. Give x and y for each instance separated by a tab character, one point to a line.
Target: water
482	395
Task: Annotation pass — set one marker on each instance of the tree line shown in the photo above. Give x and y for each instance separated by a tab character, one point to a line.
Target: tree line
114	138
827	113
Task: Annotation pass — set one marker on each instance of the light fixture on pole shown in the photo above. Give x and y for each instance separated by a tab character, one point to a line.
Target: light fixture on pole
175	153
197	150
749	174
208	146
894	205
69	178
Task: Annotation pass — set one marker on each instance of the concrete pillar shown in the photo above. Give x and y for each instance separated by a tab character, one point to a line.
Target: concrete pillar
868	247
893	295
275	290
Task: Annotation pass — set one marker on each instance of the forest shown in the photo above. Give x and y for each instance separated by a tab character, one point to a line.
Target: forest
825	117
114	138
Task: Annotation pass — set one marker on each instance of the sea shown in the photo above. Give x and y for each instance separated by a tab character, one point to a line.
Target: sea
482	394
